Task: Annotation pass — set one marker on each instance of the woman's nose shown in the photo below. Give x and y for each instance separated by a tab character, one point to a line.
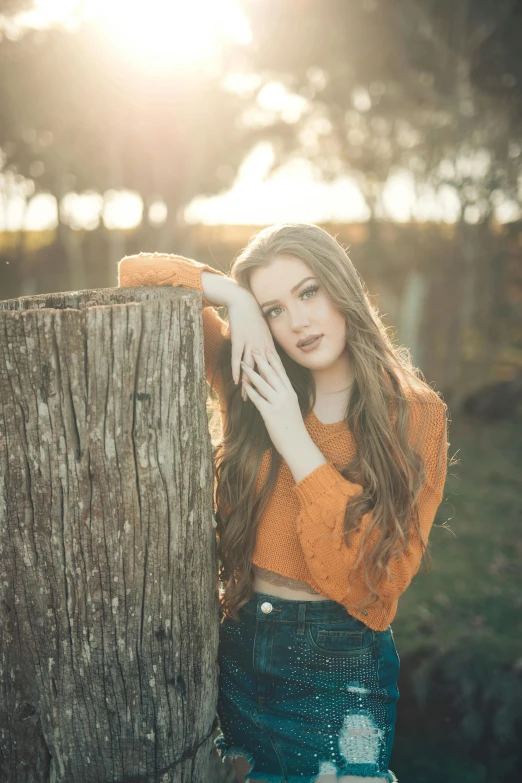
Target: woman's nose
299	319
298	324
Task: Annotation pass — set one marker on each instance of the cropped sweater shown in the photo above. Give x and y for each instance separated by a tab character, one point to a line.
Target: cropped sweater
299	541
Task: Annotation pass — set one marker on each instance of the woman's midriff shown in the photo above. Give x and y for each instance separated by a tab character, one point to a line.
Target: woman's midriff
282	591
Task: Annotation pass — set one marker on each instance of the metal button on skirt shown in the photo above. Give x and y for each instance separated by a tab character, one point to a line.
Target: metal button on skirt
305	689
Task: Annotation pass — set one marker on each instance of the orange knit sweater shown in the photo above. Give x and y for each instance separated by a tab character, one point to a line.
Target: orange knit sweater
301	533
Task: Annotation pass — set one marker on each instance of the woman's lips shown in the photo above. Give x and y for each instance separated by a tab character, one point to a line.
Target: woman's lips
311	346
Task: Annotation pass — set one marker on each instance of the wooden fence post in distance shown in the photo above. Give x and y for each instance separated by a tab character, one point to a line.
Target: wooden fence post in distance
108	565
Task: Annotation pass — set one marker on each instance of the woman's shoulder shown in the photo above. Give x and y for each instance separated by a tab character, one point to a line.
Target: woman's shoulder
427	411
422	395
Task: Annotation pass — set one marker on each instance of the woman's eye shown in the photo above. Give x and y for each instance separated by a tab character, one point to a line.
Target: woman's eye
312	289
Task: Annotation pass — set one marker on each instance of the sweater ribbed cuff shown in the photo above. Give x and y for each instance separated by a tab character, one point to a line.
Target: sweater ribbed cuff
189	275
164	269
320	483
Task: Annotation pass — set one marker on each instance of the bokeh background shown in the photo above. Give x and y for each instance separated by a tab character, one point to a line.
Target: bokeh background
185	126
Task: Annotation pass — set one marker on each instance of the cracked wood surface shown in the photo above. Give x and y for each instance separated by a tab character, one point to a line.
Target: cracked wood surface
108	564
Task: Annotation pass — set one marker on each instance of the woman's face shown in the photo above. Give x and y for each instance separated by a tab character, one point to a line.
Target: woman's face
296	307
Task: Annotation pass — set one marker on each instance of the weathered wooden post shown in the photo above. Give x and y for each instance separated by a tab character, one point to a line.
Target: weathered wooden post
108	564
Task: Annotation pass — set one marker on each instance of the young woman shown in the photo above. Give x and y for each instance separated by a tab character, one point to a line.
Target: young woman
329	472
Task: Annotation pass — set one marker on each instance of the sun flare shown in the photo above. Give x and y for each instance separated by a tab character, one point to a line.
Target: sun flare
158	33
168	33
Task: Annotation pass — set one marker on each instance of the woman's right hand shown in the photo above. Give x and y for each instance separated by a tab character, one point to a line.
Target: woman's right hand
248	329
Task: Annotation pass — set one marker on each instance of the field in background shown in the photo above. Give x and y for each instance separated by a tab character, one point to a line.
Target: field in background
458	628
473	593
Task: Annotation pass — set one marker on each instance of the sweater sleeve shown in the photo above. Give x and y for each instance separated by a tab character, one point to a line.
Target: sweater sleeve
323	496
167	269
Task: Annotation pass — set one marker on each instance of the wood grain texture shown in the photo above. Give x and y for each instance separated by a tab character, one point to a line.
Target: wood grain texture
108	564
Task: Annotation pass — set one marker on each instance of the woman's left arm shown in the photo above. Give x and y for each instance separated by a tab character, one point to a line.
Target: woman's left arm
323	495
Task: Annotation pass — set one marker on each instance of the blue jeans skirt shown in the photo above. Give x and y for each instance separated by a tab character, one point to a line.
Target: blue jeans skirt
305	689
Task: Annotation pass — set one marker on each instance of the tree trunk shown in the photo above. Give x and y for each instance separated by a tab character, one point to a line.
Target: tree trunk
108	563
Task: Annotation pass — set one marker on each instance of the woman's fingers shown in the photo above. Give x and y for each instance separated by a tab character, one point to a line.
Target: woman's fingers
237	355
272	363
247	361
269	370
273	360
266	380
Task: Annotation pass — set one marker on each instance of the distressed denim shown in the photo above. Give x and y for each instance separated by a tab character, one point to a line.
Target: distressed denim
305	689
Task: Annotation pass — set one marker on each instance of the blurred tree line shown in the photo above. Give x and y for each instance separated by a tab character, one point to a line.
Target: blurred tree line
359	87
430	86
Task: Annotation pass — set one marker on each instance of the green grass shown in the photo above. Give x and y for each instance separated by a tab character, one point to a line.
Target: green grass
472	596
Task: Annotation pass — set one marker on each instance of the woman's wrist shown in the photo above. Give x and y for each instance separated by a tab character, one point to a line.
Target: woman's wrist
222	291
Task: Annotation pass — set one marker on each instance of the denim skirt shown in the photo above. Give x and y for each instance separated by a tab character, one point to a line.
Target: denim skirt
305	689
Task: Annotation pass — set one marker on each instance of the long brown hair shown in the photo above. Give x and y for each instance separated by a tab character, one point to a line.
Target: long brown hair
387	389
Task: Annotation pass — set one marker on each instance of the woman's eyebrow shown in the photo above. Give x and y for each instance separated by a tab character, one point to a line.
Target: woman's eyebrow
291	290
